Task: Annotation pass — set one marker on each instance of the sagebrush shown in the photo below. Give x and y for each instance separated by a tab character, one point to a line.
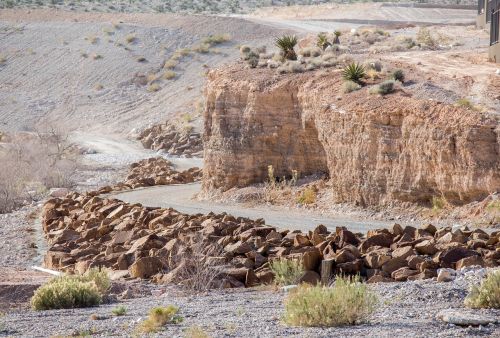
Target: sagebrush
346	302
487	295
73	291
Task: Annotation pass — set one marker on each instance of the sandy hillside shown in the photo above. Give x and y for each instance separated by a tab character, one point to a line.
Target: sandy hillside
85	69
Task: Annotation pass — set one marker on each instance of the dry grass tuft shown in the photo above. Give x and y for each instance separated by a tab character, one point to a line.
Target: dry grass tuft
195	332
169	75
154	87
308	196
159	317
130	38
119	311
347	302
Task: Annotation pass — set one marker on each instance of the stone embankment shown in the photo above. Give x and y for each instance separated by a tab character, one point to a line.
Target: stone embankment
87	231
376	149
150	172
169	138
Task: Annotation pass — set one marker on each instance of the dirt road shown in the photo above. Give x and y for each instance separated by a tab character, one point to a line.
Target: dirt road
180	197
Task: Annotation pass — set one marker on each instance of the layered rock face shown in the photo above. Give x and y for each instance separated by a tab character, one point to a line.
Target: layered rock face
375	149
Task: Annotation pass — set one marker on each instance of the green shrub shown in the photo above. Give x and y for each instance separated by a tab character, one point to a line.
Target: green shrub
159	317
245	49
438	203
286	44
119	311
347	302
487	295
72	291
354	72
398	75
350	86
286	271
383	88
66	293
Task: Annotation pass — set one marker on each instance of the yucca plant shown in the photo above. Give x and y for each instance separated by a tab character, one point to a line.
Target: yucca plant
336	39
322	41
354	72
286	43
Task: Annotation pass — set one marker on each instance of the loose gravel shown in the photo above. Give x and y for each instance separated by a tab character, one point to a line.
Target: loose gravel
404	309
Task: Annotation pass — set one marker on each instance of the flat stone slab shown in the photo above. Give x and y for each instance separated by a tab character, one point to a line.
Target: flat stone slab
465	318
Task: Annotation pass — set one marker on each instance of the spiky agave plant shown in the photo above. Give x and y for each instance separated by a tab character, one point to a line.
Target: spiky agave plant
354	72
336	40
286	43
322	41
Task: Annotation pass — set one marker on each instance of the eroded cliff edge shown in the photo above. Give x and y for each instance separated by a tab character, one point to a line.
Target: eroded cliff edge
375	149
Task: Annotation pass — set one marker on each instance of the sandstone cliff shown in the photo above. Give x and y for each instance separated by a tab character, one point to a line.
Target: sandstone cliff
375	149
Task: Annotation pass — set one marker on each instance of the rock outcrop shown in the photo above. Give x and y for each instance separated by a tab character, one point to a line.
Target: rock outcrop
169	138
375	149
167	246
150	172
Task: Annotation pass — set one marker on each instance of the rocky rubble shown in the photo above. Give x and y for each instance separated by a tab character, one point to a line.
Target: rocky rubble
86	231
150	172
169	138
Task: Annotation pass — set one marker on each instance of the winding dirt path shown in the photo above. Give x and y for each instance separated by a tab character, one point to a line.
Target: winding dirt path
180	197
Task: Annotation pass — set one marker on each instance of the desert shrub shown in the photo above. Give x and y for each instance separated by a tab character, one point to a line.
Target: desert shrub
141	59
322	41
130	38
159	317
193	270
398	75
375	65
170	64
353	72
438	203
3	59
276	189
308	196
383	88
32	163
244	49
424	37
487	295
347	302
286	271
119	311
350	86
169	75
213	40
96	56
202	48
67	292
465	103
153	87
372	74
287	44
195	332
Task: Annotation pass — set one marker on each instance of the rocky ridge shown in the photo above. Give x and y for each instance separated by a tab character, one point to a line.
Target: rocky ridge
150	172
376	149
167	137
87	231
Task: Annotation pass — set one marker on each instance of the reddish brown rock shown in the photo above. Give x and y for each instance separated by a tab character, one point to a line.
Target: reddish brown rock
145	267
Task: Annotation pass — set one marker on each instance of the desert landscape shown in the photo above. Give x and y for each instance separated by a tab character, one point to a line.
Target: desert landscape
249	168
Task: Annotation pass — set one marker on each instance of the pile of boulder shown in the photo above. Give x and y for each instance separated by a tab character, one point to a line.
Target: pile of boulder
86	231
169	138
150	172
